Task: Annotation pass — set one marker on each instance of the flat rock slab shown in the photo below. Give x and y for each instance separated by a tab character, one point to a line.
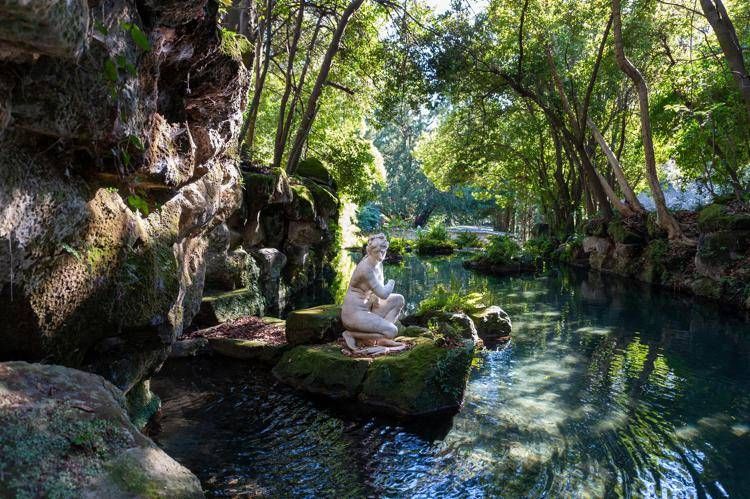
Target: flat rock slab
320	324
66	433
426	379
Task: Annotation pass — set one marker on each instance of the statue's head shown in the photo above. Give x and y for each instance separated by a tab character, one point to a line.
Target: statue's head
377	246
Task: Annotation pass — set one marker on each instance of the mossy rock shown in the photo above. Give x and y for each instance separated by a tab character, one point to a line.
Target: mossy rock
319	324
707	288
621	234
142	404
595	227
218	307
303	203
326	202
322	369
427	379
492	323
715	217
256	350
723	246
313	168
414	331
67	434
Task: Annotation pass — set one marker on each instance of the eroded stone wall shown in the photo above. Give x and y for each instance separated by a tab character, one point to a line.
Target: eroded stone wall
119	123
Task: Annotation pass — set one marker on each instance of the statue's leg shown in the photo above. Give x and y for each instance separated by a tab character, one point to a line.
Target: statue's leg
390	308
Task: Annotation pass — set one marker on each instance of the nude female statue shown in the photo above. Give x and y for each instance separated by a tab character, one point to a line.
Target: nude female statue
370	307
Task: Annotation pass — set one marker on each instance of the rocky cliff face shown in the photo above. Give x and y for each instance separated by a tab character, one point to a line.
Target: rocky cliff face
118	129
279	251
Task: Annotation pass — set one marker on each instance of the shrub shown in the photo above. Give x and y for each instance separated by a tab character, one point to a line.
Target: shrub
501	250
468	240
443	299
397	245
434	241
538	247
368	218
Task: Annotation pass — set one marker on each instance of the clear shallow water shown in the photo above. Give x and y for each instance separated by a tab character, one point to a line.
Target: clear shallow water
607	389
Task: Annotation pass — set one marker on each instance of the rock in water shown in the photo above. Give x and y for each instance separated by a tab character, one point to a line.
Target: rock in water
492	323
66	433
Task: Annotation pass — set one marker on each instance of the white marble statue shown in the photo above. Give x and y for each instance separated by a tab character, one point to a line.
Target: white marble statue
370	307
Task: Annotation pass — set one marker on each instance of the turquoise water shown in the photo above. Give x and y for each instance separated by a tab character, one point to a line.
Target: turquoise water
607	389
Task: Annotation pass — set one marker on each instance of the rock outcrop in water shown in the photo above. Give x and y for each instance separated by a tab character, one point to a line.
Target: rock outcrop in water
428	378
66	433
718	268
118	125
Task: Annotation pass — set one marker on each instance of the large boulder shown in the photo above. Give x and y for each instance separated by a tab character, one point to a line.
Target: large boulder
66	433
428	378
319	324
492	323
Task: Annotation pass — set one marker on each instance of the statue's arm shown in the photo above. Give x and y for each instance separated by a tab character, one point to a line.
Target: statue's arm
380	290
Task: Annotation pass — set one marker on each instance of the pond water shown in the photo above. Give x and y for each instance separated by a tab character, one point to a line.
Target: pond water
608	389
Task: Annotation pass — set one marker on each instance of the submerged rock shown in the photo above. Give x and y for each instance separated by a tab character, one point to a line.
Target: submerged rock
66	433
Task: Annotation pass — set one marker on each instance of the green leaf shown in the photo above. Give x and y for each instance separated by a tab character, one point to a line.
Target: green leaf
139	37
137	203
136	142
69	249
101	28
110	70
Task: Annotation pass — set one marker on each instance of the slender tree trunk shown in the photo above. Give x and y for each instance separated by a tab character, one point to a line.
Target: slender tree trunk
664	217
260	70
279	143
630	196
723	27
312	102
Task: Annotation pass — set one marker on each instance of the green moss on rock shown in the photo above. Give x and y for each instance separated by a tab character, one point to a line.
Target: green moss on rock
314	325
315	169
322	369
142	404
303	203
226	306
716	217
426	379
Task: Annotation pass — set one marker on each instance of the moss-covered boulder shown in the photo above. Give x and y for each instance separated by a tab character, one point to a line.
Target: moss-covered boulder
142	403
624	234
322	369
218	307
426	379
303	204
314	169
257	350
716	217
492	323
319	324
66	433
457	325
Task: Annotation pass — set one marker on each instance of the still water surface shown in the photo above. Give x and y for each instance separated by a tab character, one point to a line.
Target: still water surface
608	389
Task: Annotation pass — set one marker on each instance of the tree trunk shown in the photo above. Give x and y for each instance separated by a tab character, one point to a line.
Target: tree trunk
630	196
247	136
664	217
279	143
718	17
312	102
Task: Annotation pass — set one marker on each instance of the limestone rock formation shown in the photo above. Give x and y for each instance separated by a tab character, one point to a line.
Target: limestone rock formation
118	125
66	433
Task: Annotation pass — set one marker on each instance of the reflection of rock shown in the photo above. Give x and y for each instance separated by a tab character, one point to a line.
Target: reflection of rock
66	433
